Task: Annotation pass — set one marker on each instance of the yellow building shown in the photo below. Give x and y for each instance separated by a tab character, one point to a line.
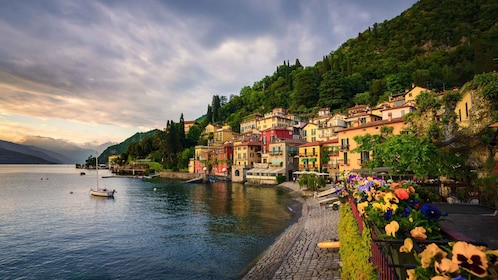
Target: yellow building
210	129
349	160
462	109
331	147
247	153
310	156
249	123
224	134
412	94
310	132
276	118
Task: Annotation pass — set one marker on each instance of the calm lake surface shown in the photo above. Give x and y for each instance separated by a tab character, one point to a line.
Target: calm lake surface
150	230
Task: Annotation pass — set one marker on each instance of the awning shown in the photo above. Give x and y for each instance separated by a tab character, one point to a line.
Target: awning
312	159
304	160
261	171
311	172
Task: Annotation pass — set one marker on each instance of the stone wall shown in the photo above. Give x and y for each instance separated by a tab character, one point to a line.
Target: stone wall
180	175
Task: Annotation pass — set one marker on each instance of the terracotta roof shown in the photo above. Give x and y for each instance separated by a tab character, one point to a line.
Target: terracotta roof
316	143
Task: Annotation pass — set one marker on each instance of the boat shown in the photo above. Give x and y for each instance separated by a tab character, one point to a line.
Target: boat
194	180
98	191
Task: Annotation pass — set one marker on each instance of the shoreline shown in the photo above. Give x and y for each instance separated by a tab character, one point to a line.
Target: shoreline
294	253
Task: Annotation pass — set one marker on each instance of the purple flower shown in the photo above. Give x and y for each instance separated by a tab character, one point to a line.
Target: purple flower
365	187
430	211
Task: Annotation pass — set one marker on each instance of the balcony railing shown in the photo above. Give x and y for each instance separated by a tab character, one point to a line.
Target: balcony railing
344	147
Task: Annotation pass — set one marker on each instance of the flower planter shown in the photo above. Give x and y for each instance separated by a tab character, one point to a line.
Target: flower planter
389	248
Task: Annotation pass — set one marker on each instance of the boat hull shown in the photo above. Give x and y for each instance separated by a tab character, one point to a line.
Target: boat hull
102	193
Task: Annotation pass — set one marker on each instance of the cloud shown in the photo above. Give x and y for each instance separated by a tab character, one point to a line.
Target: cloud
137	64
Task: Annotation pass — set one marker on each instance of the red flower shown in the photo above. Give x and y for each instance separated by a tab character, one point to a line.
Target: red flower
401	193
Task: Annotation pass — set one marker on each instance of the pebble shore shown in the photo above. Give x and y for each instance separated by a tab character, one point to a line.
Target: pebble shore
295	254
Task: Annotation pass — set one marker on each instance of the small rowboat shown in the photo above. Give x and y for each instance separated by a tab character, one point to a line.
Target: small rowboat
328	244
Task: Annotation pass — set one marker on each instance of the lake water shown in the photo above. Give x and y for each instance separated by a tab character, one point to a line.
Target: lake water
150	230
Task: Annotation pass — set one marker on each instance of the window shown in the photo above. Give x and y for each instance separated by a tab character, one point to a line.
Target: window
363	120
345	158
365	156
466	110
344	143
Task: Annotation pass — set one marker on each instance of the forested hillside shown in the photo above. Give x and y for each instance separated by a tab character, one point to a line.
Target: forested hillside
436	44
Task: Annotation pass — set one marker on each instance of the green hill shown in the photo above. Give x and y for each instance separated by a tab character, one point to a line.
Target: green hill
120	148
436	44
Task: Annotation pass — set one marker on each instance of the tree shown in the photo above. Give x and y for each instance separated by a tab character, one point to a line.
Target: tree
305	88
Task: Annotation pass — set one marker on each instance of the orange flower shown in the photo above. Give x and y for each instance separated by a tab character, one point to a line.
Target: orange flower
446	266
440	277
418	233
410	190
392	228
407	246
412	275
470	258
430	252
401	193
395	185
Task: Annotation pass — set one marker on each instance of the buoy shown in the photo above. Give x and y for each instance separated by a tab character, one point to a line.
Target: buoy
155	189
328	244
71	192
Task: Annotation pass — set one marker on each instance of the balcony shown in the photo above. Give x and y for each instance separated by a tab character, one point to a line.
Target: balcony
344	148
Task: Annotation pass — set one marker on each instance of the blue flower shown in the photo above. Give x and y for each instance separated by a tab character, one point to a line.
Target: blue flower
414	203
406	212
430	211
389	213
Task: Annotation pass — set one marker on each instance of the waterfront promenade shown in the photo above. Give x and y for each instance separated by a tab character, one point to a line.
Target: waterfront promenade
295	254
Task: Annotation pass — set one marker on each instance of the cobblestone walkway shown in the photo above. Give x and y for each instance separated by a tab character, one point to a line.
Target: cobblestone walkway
295	254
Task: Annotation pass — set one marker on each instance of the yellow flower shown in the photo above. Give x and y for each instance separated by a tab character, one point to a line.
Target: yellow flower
407	246
379	195
377	205
470	258
446	266
430	252
392	228
390	198
362	206
418	233
412	275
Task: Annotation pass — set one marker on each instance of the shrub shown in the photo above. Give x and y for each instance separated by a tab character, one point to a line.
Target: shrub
355	248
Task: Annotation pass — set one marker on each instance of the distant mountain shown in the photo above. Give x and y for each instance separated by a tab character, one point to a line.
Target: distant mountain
11	153
63	150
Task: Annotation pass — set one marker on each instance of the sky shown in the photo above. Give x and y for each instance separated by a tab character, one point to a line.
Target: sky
100	71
